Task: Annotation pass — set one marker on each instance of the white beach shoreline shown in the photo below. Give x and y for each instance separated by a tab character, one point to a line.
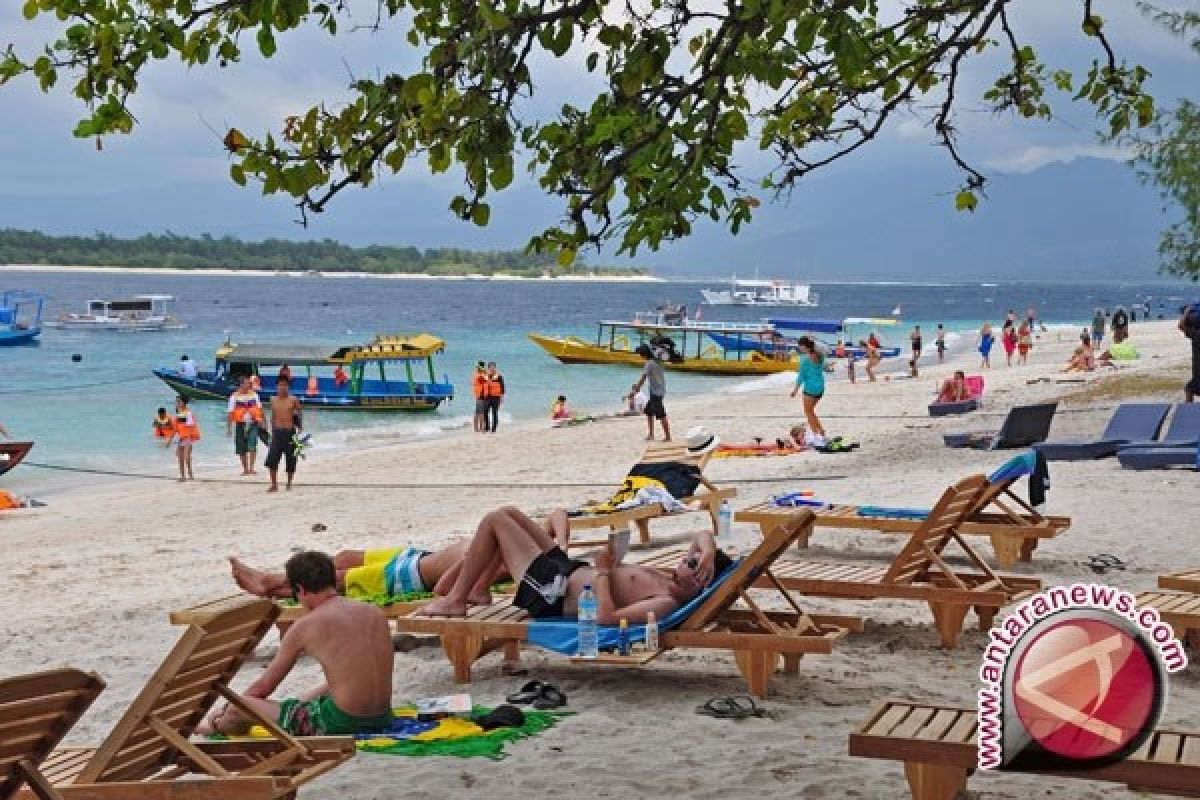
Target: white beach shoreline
88	581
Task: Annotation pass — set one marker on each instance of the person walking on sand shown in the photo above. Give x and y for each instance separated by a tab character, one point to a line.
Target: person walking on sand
286	419
1009	340
493	393
986	340
184	433
871	347
1098	324
1189	326
1024	343
939	341
654	377
243	418
1120	325
915	339
810	380
478	382
350	640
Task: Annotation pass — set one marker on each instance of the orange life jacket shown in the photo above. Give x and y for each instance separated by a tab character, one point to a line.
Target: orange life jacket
493	385
9	500
163	428
477	383
249	409
185	426
311	388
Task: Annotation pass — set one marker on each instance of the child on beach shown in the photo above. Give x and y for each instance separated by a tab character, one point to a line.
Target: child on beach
986	340
559	409
184	432
940	341
163	426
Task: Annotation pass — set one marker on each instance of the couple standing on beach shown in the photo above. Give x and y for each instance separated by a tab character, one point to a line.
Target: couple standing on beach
246	423
488	386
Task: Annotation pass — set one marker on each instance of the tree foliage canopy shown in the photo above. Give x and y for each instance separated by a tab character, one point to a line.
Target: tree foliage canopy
684	85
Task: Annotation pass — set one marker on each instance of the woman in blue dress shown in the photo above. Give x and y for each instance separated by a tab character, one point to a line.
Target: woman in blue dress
986	340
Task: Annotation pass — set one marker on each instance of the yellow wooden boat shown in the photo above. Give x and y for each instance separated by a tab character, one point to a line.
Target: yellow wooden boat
616	343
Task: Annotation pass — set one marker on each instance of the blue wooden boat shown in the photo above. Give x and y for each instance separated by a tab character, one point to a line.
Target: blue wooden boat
20	317
368	383
788	330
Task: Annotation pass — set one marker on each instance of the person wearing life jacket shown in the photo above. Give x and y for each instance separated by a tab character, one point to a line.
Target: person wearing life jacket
493	391
164	426
312	387
340	378
185	433
243	420
477	383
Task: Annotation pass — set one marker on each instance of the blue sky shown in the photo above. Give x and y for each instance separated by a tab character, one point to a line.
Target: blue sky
1057	196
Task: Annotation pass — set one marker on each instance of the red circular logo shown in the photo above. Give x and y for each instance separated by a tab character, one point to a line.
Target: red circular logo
1085	689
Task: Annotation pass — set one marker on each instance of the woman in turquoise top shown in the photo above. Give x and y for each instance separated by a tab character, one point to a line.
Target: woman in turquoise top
810	379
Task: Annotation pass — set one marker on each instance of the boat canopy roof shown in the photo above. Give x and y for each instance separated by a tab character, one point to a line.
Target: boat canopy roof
382	348
691	327
827	325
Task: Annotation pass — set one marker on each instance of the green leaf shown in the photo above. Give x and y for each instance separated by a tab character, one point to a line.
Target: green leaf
566	257
502	174
966	200
480	214
30	9
1092	24
591	61
266	42
238	174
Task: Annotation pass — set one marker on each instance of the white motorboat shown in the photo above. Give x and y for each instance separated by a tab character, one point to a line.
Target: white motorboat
146	312
761	293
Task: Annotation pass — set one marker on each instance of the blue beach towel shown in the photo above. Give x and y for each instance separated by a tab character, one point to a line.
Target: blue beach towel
1015	467
561	634
893	513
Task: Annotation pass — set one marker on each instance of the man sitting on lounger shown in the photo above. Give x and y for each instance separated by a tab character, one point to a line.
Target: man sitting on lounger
350	640
549	583
391	572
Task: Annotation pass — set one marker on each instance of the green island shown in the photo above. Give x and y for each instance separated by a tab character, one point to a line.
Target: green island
170	251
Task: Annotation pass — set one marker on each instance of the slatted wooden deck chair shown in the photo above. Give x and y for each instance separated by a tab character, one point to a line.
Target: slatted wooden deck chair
639	517
36	711
1013	526
1179	610
756	638
149	755
938	745
1186	581
918	573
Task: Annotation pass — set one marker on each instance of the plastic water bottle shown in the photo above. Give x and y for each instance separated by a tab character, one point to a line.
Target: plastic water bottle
725	522
623	638
651	633
588	642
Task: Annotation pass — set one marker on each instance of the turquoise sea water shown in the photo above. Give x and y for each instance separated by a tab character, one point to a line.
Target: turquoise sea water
96	413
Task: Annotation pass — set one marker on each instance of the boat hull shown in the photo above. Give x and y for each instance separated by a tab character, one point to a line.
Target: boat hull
12	453
15	338
206	386
734	343
571	350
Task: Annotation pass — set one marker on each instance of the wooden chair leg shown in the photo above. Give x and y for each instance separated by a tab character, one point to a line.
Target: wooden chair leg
1192	639
756	667
643	527
948	618
934	781
987	616
462	650
512	652
1007	549
804	532
791	663
1028	545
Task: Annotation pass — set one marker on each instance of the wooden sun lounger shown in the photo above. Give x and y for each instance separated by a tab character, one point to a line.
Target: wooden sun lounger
1187	581
917	573
938	747
640	517
149	755
1179	610
756	638
36	711
1015	528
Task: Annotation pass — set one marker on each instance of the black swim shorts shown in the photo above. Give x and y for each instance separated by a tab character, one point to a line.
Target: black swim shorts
654	407
543	588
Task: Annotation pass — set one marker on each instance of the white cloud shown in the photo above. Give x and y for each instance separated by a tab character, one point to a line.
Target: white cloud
1036	156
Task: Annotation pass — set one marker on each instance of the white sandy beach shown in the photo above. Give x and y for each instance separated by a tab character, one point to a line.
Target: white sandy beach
89	580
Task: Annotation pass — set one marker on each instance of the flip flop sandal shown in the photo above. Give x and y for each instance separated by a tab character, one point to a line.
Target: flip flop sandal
528	693
737	707
549	698
1113	561
1103	562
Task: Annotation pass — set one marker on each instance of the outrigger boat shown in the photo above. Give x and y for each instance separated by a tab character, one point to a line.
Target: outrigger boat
404	392
20	316
789	329
11	454
146	312
687	346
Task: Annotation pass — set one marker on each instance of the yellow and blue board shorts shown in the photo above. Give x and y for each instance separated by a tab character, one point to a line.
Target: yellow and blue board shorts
387	572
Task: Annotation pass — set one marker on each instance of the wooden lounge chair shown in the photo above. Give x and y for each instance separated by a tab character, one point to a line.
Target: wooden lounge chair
756	638
1187	581
1013	526
938	747
1180	610
640	517
149	755
36	711
917	573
